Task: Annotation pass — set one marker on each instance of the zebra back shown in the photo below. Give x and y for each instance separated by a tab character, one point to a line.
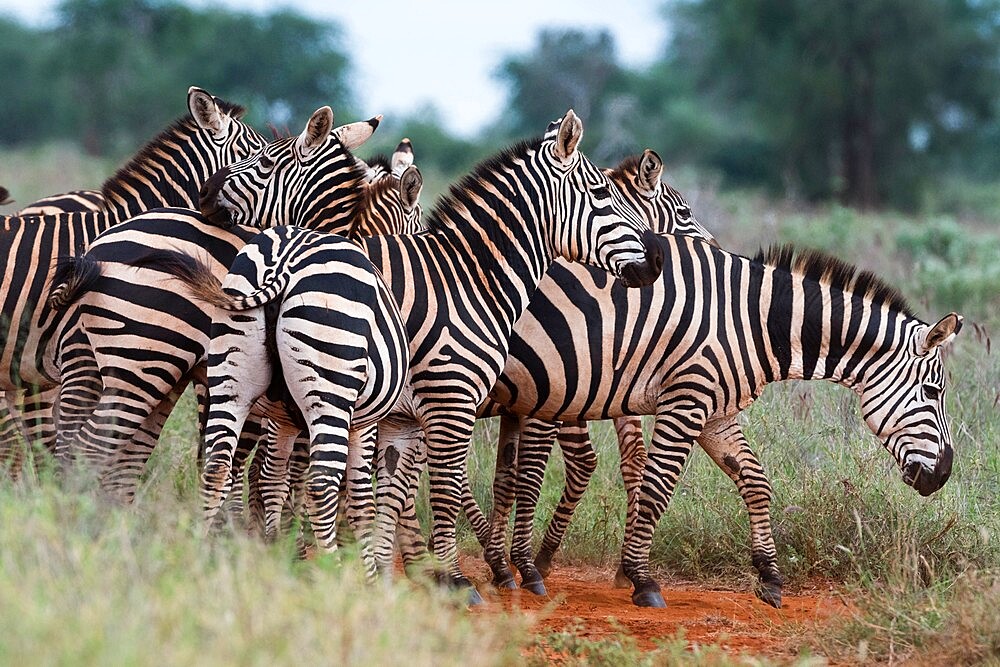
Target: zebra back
169	169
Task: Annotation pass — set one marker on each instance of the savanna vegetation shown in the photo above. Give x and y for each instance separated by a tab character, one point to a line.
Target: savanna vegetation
774	125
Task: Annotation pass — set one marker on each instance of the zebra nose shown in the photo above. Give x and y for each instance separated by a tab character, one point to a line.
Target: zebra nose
640	274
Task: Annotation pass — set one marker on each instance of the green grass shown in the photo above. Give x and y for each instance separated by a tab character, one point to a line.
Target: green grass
32	173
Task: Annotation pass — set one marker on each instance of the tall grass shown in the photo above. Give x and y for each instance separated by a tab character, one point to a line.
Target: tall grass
87	582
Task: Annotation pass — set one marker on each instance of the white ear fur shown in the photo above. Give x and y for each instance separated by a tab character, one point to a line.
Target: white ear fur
316	132
410	184
206	113
353	135
568	138
650	172
402	157
943	332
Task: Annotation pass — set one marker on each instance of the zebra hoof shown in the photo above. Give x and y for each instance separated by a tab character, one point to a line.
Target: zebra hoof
770	593
475	599
505	582
536	587
651	597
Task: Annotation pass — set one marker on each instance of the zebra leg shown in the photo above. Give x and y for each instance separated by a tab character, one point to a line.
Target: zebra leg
360	496
581	462
239	372
724	441
122	472
632	448
401	455
448	438
14	441
504	490
534	448
274	476
254	433
677	426
37	412
409	538
79	392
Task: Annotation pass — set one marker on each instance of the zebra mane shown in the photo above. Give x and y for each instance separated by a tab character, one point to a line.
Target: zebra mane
180	128
829	270
460	192
380	161
630	163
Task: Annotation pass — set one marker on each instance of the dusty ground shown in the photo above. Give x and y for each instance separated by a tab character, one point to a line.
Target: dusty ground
737	621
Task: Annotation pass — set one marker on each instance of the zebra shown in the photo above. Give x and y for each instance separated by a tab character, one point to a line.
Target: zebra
167	170
461	285
131	307
304	323
639	179
699	346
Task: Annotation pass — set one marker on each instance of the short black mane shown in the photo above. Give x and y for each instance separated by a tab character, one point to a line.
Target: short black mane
458	193
181	127
379	161
829	270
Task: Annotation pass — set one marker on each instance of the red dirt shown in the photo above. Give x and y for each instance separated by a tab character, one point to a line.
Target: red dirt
736	621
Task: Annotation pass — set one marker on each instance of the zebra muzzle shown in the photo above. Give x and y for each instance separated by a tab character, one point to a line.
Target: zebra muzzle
646	271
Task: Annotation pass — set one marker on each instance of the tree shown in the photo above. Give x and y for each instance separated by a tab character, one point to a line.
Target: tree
567	68
854	98
115	71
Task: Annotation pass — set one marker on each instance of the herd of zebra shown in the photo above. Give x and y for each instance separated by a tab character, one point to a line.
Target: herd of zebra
340	341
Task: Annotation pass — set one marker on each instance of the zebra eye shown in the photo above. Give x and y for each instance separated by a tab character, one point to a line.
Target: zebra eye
601	192
684	213
931	392
266	162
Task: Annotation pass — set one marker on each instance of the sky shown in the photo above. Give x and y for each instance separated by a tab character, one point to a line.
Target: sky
445	52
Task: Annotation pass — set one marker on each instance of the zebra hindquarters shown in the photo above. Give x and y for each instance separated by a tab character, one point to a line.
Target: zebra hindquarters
239	372
324	358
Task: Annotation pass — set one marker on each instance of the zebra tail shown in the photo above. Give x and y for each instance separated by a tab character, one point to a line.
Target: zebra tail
74	276
5	197
202	282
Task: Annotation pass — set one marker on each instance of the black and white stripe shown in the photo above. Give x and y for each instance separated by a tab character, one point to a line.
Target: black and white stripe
700	344
168	170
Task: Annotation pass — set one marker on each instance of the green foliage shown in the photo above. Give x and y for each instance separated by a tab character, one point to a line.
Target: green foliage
111	73
835	100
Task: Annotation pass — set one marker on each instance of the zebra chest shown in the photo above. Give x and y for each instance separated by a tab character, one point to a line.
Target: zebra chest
278	398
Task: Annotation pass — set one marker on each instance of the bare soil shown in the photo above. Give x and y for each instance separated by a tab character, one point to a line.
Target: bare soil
735	620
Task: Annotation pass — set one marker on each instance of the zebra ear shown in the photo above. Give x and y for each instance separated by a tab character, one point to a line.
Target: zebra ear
570	133
207	114
316	134
353	135
943	332
650	171
410	185
402	158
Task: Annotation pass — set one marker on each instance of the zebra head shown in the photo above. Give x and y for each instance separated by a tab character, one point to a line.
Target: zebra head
613	236
903	404
391	204
639	180
227	137
310	180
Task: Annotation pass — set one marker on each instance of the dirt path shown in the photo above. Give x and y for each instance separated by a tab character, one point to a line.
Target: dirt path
737	621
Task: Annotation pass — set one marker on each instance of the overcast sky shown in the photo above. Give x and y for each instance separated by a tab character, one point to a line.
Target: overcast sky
406	54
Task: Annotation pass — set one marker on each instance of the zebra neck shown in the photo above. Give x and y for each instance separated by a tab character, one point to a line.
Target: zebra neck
168	171
816	331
